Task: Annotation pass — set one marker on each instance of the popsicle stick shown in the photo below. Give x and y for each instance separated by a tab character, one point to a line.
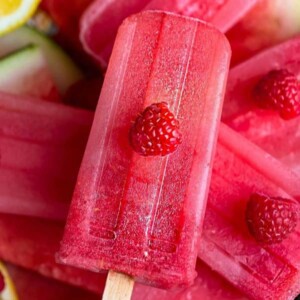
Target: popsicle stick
118	286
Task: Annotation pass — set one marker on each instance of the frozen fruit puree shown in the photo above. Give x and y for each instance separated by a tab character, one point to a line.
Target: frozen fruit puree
143	215
279	137
260	271
101	20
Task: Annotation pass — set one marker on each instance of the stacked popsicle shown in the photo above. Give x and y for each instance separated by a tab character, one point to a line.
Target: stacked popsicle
102	18
140	197
41	147
141	192
245	110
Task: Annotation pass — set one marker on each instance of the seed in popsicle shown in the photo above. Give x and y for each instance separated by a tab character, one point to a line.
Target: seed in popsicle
155	131
279	90
271	219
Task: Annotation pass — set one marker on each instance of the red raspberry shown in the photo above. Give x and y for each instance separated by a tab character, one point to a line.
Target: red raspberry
271	219
2	283
279	90
155	131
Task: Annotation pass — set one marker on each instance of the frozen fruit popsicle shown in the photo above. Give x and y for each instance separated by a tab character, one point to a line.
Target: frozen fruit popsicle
259	270
23	245
138	214
101	20
208	285
41	147
242	107
32	286
32	243
268	23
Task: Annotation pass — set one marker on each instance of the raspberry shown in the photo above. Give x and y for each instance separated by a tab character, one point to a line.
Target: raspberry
2	283
271	219
155	131
279	90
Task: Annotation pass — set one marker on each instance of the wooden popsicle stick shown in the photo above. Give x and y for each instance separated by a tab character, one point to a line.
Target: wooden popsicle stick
118	286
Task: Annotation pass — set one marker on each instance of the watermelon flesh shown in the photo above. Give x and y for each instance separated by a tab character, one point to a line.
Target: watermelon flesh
32	286
100	22
26	73
278	137
41	146
261	272
268	23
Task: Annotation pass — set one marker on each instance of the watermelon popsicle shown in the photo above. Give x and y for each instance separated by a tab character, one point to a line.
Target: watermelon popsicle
41	147
265	127
100	22
142	214
260	270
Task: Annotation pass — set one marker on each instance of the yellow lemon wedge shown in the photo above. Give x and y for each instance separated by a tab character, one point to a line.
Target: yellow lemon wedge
9	291
14	13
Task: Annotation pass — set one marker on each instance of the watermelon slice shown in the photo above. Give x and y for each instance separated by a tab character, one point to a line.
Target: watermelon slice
268	23
100	22
32	286
41	146
64	71
25	72
279	137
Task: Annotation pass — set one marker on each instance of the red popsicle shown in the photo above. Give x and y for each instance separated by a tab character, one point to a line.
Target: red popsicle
41	147
100	22
142	215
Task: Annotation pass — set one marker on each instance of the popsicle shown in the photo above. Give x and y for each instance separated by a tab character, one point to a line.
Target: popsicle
101	20
32	243
32	286
268	23
41	147
137	214
261	271
208	285
22	245
265	127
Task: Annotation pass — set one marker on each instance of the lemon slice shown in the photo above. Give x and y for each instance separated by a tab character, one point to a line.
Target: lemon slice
14	13
9	291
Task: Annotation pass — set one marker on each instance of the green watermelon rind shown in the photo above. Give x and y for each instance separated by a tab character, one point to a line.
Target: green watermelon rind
64	71
18	71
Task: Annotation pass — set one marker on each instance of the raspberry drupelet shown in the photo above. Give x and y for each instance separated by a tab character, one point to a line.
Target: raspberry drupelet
155	131
279	90
271	219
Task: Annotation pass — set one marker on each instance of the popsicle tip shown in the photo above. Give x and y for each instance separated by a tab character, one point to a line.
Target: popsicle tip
118	286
